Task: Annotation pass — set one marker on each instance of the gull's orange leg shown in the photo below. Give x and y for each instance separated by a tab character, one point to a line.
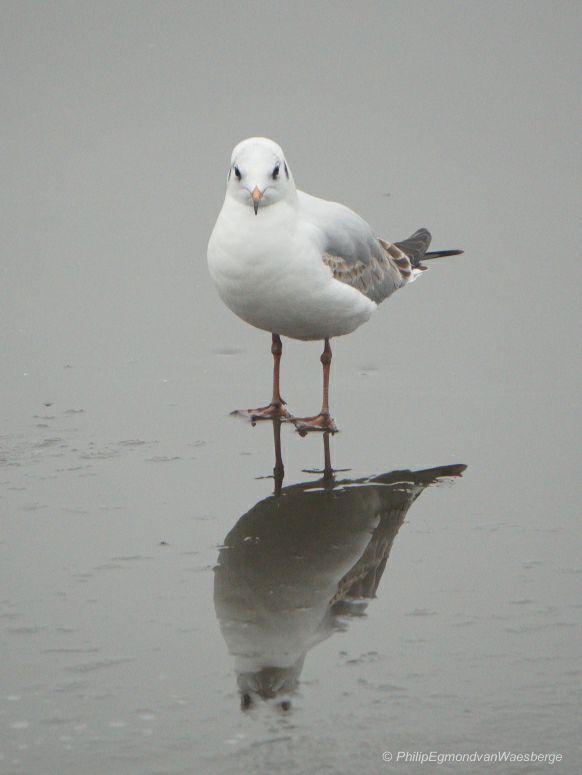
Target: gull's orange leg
322	421
277	406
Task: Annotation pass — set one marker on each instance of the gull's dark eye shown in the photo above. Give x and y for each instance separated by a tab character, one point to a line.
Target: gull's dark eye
276	172
237	173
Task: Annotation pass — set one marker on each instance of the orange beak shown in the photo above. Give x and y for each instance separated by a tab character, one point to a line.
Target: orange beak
256	196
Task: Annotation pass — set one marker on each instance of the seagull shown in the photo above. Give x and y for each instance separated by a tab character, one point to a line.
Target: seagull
301	267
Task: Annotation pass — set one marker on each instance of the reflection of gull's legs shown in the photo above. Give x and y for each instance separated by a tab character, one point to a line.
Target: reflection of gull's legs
279	469
327	469
327	472
277	406
322	421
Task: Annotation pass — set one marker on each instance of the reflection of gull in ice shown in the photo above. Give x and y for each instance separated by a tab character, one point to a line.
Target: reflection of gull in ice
298	560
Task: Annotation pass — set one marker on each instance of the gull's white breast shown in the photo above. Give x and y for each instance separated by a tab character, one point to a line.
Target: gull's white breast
268	270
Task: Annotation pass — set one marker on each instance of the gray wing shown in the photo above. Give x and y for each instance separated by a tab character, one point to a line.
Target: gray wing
416	246
353	253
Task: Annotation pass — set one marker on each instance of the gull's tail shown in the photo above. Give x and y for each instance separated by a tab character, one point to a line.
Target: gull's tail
416	247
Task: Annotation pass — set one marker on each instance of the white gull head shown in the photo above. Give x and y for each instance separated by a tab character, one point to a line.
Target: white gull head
259	176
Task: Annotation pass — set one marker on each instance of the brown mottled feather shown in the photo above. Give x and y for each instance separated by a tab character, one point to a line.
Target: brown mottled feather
369	278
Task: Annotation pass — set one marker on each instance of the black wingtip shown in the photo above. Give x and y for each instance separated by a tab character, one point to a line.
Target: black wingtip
442	253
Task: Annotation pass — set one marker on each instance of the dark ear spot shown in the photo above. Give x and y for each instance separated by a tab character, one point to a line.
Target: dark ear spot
285	705
245	701
286	170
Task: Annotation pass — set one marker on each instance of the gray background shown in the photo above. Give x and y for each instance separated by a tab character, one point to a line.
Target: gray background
120	364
